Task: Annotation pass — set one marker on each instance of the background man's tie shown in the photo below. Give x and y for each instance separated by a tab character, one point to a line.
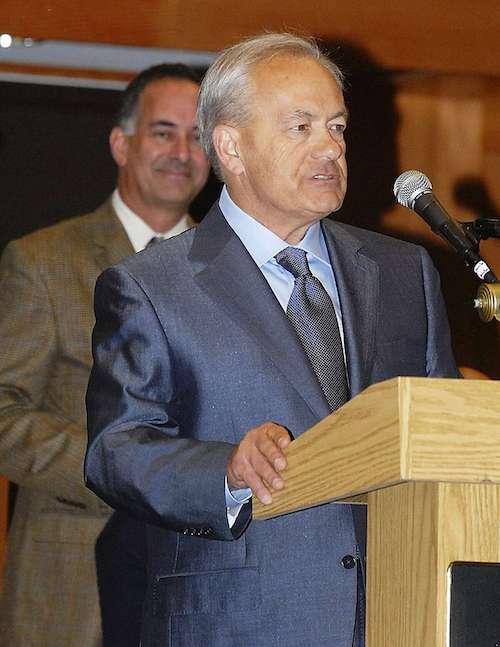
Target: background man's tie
312	315
154	240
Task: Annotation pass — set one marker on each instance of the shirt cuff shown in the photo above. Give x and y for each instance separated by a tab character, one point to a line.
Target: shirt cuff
235	500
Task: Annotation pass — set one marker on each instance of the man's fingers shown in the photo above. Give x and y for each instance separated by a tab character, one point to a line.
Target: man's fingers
284	440
258	460
248	476
259	490
246	470
278	434
268	447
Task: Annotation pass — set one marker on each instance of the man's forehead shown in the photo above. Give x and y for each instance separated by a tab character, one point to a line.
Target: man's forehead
287	67
173	92
283	77
292	94
171	101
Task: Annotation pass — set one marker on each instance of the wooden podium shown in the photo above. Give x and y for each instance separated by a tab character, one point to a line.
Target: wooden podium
425	456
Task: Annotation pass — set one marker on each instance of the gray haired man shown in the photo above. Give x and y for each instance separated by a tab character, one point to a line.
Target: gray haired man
189	416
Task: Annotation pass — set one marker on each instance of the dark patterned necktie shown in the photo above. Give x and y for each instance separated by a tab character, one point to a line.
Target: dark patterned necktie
313	318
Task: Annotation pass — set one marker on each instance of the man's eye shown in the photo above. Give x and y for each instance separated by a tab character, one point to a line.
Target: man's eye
162	134
301	127
338	128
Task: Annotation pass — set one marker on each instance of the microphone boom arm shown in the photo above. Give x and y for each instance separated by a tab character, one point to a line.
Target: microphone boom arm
481	229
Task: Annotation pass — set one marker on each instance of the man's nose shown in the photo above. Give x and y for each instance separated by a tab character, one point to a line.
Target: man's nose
181	148
329	145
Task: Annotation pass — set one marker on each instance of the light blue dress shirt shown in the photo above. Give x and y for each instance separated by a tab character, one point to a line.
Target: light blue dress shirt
263	245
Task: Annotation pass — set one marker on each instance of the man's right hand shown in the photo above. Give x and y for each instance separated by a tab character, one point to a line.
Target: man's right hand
258	461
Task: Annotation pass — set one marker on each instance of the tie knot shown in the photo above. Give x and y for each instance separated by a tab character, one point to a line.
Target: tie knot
294	260
154	240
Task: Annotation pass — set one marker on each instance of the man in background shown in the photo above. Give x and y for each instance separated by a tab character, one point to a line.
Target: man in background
188	417
46	290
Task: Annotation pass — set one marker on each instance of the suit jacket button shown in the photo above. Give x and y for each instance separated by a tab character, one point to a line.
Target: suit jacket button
348	561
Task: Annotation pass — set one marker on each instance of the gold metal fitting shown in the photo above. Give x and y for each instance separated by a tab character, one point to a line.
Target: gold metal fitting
487	301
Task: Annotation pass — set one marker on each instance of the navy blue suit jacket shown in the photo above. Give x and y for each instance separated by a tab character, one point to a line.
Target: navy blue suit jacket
192	349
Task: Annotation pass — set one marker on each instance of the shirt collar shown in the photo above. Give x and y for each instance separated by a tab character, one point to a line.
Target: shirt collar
138	231
261	243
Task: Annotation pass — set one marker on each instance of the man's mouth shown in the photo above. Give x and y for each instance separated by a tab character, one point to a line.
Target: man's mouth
175	173
175	169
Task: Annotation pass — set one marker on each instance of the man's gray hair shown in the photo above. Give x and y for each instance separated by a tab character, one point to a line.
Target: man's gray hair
224	92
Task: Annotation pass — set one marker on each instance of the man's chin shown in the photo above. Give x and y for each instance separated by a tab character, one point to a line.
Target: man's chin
176	195
328	206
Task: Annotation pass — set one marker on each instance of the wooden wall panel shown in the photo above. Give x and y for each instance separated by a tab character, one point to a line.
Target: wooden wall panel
441	134
491	140
448	129
451	35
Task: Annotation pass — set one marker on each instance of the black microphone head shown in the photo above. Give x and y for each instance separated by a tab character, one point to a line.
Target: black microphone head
409	186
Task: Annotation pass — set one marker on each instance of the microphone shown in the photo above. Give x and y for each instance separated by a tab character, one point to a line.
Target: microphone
413	189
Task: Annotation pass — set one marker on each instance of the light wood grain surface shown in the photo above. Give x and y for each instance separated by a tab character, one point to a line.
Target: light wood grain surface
432	34
400	430
415	532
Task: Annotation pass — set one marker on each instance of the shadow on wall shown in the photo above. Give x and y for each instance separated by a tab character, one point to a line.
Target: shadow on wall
471	193
371	136
54	154
372	140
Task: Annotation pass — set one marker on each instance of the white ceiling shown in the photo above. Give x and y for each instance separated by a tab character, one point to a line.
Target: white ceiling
87	56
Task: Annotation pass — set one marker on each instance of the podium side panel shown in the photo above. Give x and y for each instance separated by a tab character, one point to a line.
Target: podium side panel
415	531
469	531
401	604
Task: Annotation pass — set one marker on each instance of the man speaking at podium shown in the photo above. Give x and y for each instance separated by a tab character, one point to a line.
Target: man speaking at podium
280	317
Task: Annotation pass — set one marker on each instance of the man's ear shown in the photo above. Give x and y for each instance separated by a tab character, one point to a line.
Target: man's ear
226	140
118	142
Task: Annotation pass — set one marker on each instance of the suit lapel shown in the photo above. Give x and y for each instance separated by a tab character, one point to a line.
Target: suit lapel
357	278
227	273
111	243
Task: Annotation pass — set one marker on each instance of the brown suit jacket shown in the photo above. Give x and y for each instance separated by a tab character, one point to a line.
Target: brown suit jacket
46	318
